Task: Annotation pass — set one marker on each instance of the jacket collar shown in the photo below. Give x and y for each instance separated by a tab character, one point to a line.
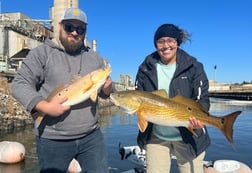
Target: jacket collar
184	60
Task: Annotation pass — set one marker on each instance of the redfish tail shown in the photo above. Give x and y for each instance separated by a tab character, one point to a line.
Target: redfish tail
38	119
228	122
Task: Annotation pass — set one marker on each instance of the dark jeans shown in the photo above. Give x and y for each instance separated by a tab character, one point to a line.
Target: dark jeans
55	155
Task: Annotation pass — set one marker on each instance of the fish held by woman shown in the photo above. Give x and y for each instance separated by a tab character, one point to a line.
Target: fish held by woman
156	107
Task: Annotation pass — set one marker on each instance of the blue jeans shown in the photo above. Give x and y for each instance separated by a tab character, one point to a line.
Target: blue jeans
55	155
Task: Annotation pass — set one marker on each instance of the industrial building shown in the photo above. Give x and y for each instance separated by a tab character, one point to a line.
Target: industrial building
19	33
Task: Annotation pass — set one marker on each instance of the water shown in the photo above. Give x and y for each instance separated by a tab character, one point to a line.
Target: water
120	128
242	134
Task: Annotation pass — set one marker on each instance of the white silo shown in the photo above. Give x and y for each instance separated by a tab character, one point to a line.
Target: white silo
94	44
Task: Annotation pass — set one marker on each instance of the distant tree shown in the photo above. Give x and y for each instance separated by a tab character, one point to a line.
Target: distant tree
245	82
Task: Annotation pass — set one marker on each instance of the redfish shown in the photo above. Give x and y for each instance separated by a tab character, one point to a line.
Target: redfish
79	89
156	107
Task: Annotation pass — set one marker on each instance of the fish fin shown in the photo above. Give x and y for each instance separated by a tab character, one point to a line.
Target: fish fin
93	96
106	63
87	79
189	103
75	78
161	93
191	129
38	118
142	123
227	127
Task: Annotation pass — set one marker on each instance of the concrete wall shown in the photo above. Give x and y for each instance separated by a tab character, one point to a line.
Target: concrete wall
12	42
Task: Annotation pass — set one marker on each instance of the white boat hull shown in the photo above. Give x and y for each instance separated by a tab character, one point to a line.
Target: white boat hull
136	156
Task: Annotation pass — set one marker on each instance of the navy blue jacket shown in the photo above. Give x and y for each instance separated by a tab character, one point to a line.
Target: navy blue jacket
189	80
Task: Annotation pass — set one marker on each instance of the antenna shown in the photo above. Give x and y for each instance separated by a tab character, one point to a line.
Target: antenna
0	7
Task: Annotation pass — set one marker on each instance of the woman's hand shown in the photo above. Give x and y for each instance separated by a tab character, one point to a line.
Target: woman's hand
195	124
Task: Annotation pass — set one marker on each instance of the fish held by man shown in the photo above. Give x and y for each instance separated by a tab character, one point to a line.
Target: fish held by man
156	107
79	89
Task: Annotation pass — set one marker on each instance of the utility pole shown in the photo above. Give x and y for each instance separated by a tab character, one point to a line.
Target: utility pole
0	7
215	69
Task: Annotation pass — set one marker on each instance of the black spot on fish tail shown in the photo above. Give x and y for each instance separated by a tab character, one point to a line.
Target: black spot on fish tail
228	122
222	120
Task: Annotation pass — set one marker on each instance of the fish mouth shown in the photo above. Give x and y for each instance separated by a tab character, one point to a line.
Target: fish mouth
116	103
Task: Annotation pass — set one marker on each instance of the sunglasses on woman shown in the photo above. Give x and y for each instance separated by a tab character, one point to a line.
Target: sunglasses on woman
68	27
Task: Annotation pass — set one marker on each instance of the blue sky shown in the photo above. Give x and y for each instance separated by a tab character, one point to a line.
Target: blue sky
221	31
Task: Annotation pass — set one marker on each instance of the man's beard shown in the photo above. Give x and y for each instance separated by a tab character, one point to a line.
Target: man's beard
71	47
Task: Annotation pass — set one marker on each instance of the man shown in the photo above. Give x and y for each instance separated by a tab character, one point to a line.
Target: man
65	132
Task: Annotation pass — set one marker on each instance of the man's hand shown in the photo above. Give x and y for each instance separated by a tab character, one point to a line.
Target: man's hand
52	108
107	87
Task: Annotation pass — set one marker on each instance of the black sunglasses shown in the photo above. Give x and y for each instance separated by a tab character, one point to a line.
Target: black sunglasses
68	27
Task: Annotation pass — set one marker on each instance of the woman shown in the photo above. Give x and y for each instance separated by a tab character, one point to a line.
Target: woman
174	70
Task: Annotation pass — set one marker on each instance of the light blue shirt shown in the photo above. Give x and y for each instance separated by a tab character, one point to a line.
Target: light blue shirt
165	74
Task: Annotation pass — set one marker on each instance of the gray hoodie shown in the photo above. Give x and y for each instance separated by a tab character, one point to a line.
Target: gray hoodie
46	67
